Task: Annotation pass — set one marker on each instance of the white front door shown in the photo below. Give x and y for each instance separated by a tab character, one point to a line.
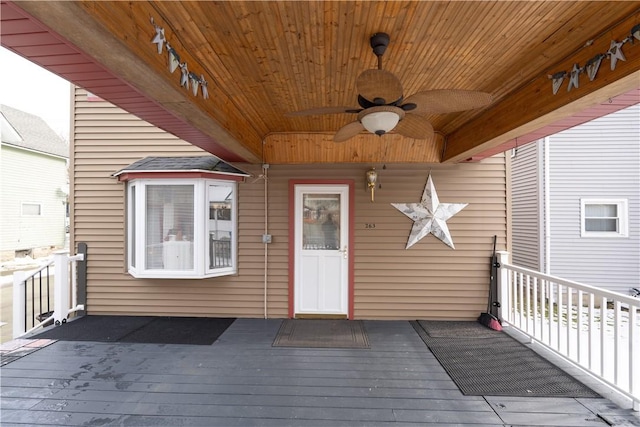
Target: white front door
321	277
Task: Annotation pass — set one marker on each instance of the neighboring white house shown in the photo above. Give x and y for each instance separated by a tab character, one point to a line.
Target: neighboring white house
576	203
33	185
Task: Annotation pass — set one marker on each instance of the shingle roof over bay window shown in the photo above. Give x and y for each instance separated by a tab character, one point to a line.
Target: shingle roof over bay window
198	164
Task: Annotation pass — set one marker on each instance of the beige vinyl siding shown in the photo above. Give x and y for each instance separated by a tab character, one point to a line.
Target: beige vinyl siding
106	139
429	280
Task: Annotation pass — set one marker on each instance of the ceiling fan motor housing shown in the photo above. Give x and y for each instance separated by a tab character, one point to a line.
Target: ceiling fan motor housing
379	43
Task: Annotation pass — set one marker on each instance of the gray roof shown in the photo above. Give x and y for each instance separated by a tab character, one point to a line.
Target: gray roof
34	132
172	164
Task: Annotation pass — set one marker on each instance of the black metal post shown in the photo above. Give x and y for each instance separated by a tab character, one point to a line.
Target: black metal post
81	271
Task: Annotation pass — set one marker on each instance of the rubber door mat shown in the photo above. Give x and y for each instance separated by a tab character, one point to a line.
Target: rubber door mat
140	329
321	333
491	363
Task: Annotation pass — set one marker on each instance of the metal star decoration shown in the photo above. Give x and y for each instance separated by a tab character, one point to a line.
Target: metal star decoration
615	51
159	39
203	86
184	79
574	80
429	216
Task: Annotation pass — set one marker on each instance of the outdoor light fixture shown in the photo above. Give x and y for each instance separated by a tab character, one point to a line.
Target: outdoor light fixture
381	119
372	178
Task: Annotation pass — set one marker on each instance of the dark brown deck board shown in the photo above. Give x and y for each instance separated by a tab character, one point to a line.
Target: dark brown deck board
242	381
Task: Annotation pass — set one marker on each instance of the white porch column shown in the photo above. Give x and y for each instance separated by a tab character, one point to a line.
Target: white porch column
503	287
61	286
19	297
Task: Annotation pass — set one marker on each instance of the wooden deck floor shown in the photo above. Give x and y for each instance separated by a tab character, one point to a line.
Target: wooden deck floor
242	381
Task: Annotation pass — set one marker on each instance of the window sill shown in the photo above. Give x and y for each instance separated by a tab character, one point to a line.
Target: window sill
179	275
604	235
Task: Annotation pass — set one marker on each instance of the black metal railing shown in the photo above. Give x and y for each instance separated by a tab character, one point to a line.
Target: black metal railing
219	253
37	297
36	293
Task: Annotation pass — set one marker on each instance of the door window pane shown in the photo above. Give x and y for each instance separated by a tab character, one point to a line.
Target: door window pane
321	221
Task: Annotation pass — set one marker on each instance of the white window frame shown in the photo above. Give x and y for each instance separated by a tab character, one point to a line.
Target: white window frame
22	205
136	229
132	243
233	226
623	218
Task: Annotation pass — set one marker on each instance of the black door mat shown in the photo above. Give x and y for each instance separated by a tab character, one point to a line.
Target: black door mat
140	329
321	333
491	363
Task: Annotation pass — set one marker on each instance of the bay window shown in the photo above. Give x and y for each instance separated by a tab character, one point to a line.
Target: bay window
181	228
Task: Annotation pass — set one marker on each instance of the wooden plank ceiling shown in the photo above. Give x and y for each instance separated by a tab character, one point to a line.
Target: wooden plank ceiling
264	59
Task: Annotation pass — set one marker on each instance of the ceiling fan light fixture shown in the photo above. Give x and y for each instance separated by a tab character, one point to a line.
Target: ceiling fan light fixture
380	120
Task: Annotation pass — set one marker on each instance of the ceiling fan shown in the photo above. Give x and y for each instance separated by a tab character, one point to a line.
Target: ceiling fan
384	108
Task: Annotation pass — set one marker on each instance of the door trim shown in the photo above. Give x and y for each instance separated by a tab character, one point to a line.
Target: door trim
292	250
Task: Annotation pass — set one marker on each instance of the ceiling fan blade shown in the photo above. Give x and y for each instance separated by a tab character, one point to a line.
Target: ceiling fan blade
414	126
442	101
379	84
323	110
348	131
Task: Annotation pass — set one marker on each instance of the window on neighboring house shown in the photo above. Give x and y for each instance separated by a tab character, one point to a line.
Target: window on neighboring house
31	209
181	228
604	218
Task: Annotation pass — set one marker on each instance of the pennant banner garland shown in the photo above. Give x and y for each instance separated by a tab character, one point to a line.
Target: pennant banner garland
592	66
186	77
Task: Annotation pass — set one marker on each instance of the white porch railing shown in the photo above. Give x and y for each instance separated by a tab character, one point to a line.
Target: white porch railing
596	329
65	294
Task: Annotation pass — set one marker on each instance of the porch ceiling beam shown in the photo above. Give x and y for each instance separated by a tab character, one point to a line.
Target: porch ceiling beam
133	58
308	148
534	105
